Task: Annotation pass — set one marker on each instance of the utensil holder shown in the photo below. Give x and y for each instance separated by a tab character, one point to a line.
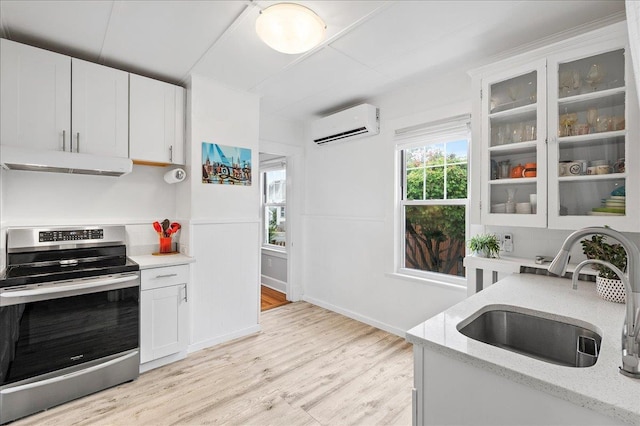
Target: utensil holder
165	245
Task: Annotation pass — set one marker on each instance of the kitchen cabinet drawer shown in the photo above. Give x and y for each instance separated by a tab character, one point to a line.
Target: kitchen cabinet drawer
164	277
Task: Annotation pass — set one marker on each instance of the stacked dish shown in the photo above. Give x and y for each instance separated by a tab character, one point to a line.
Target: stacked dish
612	206
523	208
499	208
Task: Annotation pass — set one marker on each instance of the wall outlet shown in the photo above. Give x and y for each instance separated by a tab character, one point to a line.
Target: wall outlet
507	243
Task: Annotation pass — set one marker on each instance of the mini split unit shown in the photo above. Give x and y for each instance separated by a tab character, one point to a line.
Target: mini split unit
356	122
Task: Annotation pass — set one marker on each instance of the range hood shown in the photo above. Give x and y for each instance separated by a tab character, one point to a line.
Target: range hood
18	158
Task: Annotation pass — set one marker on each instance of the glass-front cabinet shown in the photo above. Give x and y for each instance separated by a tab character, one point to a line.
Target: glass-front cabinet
560	136
513	134
590	180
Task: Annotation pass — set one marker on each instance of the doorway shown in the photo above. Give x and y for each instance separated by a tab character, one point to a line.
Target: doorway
274	253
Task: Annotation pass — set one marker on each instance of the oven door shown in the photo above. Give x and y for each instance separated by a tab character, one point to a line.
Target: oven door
52	326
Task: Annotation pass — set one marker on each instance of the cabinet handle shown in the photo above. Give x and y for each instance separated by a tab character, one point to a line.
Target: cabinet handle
166	276
64	140
78	143
185	294
171	153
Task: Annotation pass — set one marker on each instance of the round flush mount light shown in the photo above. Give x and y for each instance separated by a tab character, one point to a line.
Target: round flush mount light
290	28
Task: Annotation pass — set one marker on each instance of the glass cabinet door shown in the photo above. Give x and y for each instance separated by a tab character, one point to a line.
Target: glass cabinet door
514	133
588	117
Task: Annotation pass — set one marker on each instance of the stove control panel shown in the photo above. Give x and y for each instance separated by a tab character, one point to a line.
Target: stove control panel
70	235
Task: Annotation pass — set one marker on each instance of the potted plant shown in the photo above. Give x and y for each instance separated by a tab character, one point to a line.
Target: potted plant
485	245
608	284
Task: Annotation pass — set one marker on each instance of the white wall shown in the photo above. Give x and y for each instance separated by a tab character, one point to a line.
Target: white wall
349	215
49	199
225	226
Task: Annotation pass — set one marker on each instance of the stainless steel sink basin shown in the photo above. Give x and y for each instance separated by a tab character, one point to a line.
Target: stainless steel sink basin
548	340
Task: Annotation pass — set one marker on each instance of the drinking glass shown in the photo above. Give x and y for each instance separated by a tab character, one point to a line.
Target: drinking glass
592	119
594	76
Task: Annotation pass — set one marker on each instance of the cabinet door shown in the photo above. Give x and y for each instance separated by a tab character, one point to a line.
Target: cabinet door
163	321
154	128
147	120
35	109
100	113
594	129
514	185
178	140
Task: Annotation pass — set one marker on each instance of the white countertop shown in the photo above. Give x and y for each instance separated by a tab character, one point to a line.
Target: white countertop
148	261
600	387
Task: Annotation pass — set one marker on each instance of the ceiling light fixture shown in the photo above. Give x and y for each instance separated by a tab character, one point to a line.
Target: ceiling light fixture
290	28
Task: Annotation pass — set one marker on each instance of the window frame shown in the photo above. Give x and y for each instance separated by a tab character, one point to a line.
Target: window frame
271	166
420	136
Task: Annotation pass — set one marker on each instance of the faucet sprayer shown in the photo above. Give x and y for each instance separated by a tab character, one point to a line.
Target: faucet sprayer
631	328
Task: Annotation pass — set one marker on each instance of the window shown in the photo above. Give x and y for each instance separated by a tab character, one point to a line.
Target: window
274	195
434	199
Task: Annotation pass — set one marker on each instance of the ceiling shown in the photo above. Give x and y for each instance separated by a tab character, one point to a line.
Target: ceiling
371	47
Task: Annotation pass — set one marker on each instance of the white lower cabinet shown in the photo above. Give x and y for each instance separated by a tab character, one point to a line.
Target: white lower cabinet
164	316
483	396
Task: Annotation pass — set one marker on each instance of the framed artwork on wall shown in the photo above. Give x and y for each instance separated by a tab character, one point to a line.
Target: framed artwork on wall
226	165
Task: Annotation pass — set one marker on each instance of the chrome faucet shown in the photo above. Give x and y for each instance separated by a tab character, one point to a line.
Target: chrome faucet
631	328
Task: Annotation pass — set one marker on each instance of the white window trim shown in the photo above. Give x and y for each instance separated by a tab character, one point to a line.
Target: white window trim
446	130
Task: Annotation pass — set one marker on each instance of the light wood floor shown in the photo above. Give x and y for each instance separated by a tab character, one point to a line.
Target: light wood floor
270	298
308	366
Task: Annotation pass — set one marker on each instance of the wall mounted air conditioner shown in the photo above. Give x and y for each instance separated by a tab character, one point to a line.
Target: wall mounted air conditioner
355	122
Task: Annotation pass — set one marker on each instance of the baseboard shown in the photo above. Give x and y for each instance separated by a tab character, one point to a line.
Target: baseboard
150	365
273	283
224	338
353	315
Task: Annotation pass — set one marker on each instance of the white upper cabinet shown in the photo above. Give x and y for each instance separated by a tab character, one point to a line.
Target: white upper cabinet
156	131
100	113
35	109
593	125
56	103
558	125
513	135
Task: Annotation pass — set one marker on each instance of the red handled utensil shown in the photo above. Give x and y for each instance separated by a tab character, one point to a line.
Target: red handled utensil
157	227
173	228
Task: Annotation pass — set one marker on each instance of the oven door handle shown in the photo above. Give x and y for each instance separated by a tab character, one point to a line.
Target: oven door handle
79	288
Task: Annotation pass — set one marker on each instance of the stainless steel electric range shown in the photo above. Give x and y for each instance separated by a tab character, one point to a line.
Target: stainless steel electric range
69	316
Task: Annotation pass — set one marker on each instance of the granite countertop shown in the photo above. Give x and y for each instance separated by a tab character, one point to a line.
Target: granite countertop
148	261
600	387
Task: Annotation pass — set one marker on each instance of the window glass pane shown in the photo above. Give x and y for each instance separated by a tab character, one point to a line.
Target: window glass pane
435	183
415	184
457	181
415	157
276	186
434	154
435	238
457	152
275	224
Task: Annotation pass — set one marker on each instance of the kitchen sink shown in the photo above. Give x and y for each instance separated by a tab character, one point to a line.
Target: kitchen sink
541	338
